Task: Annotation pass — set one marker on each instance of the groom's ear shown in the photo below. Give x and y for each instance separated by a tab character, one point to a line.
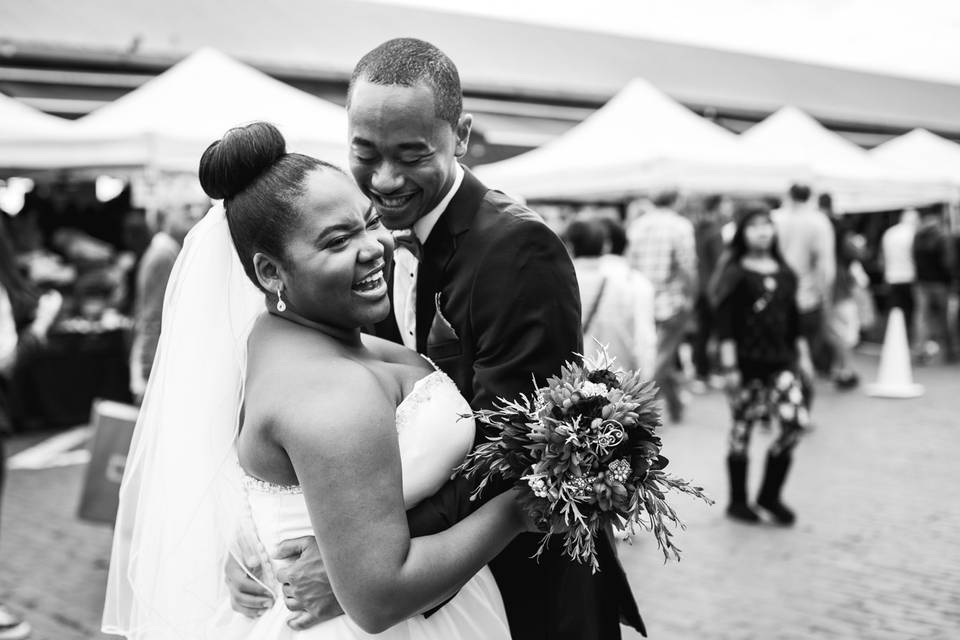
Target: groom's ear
462	132
269	272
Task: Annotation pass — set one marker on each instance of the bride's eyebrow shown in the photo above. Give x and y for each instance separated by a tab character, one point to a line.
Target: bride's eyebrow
370	210
340	226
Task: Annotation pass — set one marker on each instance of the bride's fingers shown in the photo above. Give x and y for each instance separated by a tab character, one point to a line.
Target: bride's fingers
252	588
250	606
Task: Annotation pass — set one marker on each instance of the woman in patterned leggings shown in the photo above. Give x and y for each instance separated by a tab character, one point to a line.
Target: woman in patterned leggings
760	351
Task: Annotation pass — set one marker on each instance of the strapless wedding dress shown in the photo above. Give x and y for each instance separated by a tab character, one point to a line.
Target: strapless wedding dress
433	439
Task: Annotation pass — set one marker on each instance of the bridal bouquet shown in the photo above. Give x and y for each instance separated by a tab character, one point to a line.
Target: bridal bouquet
584	453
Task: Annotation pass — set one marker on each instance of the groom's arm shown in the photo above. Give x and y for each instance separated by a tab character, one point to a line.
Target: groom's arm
525	317
525	312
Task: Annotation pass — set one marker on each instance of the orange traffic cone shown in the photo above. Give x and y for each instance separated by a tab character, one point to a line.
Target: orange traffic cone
895	377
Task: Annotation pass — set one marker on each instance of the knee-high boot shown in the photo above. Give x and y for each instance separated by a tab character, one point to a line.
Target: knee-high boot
774	476
739	509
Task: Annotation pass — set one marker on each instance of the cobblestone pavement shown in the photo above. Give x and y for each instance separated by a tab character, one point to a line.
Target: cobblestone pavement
872	555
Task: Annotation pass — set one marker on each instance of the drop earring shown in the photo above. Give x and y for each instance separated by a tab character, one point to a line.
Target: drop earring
281	305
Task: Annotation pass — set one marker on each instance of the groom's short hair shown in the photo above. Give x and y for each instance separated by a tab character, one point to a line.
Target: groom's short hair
407	62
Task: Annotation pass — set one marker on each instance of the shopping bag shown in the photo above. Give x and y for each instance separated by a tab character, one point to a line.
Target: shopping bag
113	424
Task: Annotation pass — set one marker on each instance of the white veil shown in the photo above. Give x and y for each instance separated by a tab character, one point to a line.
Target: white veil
181	497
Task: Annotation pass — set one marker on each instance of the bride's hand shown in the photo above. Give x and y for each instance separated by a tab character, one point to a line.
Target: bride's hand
247	596
522	520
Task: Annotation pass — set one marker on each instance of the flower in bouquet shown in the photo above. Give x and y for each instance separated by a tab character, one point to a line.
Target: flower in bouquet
584	454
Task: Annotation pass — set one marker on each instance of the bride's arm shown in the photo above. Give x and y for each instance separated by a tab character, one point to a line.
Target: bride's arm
343	446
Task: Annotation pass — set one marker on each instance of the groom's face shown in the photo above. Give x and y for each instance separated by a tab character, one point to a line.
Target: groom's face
401	154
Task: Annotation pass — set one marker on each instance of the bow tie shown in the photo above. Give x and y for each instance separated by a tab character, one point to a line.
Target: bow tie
409	240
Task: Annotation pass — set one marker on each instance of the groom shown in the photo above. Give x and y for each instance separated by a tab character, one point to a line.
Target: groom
484	289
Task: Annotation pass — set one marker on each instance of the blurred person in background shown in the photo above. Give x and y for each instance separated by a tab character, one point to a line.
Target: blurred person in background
136	239
25	318
955	294
717	212
662	247
616	266
617	305
808	246
899	270
933	257
634	209
763	354
842	321
172	224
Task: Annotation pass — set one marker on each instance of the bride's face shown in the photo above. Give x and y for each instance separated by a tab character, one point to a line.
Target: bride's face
333	270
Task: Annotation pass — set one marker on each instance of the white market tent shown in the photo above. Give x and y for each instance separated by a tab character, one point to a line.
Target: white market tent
165	124
18	119
640	141
839	167
22	122
923	152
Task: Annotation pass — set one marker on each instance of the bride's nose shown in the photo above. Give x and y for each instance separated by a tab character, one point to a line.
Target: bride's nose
372	249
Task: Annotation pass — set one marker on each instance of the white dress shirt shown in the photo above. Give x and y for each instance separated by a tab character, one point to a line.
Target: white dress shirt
406	266
897	247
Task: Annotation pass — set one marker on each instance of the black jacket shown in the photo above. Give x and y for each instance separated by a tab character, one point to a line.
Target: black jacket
932	255
509	311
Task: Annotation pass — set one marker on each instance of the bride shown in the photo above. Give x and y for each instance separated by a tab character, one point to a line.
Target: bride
291	422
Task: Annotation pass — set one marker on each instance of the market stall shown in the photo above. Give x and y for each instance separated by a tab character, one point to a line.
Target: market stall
857	182
97	180
640	141
165	124
923	152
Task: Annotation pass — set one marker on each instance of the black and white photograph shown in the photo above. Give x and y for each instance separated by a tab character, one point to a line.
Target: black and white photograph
500	320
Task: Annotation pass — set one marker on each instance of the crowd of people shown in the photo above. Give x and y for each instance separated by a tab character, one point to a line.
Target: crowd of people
32	305
758	299
920	266
26	316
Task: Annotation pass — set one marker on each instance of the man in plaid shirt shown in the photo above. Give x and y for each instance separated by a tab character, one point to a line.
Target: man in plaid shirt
662	247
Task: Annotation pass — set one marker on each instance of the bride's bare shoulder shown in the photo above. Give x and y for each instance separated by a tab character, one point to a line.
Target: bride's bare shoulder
392	352
292	367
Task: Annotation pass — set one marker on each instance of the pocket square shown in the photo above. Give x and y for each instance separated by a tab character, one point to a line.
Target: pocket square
440	328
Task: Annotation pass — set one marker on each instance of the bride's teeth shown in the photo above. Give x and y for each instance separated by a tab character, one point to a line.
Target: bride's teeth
371	280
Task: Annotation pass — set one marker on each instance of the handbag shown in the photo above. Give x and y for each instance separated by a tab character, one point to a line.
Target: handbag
113	425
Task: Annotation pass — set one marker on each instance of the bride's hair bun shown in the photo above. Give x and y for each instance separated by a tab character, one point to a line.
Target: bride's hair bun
232	163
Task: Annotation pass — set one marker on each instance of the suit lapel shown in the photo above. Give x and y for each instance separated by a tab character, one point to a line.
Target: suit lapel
439	249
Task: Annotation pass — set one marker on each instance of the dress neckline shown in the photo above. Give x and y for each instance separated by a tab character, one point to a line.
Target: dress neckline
251	481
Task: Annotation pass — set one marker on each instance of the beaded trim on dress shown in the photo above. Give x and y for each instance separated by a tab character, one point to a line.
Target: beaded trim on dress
423	388
262	486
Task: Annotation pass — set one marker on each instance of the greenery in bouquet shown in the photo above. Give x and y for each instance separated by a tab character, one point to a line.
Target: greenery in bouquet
584	453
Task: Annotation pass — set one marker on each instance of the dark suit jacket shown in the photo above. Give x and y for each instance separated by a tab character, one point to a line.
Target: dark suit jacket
497	305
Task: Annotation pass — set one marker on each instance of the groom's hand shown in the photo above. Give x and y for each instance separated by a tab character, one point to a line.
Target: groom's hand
306	588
